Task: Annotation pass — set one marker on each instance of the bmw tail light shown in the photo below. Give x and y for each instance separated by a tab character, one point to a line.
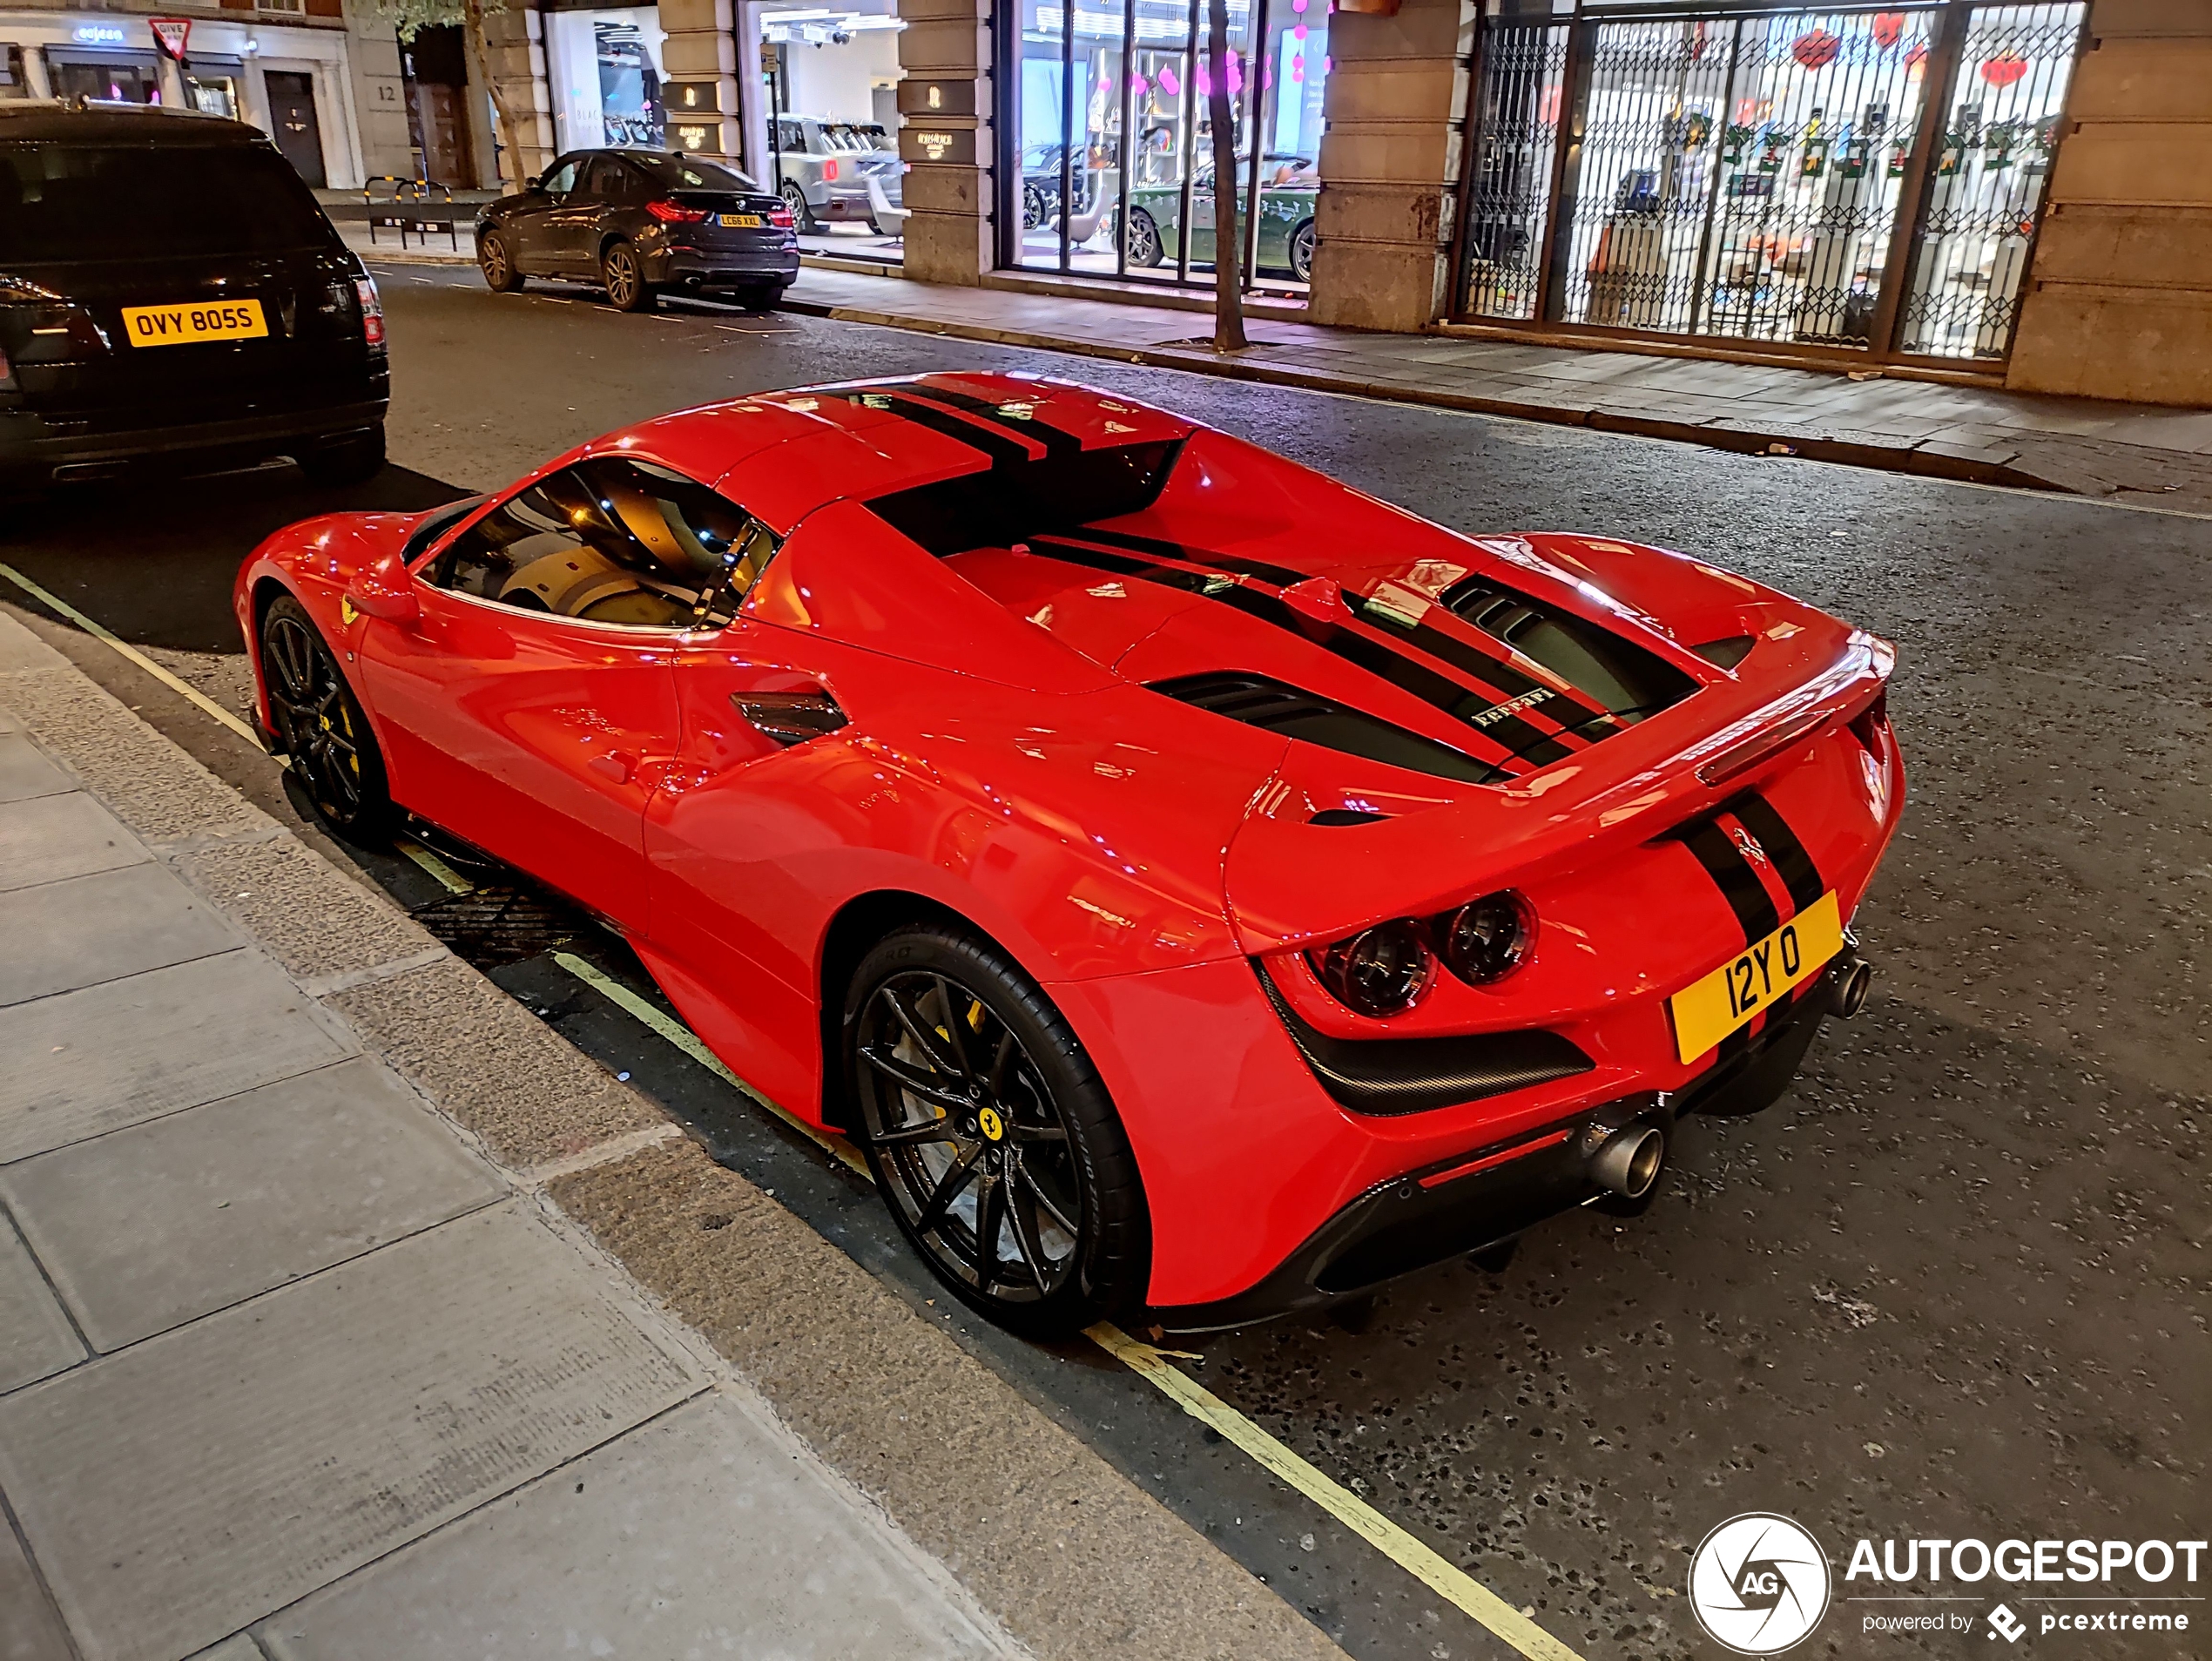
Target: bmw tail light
791	717
1486	938
1381	970
829	169
780	217
372	311
672	212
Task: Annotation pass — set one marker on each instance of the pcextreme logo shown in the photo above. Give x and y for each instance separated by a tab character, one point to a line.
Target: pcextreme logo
1758	1584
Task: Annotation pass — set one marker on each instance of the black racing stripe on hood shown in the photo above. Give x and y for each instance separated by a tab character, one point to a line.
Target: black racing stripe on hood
1002	452
1799	874
1562	705
1281	576
1510	735
1057	441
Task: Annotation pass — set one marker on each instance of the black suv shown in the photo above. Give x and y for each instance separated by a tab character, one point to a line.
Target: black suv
171	296
635	221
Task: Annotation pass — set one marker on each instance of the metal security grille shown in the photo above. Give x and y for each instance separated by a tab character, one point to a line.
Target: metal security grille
1840	180
1517	97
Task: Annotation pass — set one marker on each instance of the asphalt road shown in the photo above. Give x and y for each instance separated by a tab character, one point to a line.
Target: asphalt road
1952	1286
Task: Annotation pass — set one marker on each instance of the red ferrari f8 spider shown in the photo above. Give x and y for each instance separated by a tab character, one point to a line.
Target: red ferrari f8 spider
1196	885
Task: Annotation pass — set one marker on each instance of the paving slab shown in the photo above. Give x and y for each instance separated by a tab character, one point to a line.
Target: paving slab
24	770
30	1629
695	1534
235	1197
176	1492
87	1062
88	930
52	837
36	1340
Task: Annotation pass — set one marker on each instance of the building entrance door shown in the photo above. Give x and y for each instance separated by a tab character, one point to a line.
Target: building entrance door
1824	181
292	113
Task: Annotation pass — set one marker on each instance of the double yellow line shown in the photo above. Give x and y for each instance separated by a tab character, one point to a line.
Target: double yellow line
1417	1558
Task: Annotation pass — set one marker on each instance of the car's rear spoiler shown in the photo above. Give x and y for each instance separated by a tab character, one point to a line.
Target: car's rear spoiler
1290	883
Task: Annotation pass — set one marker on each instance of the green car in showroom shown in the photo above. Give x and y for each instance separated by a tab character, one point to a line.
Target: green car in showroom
1288	188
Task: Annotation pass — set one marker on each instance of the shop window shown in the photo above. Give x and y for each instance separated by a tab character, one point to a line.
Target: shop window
1110	169
830	80
117	80
604	72
613	540
13	82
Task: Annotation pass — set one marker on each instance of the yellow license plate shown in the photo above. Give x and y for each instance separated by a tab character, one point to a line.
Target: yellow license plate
743	222
213	320
1708	1010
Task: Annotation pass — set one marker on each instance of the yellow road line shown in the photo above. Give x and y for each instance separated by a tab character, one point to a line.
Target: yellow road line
100	632
449	879
1151	1365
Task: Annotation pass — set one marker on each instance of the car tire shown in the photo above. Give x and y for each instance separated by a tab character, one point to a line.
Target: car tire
497	261
760	296
802	216
1143	243
622	273
316	720
1026	1137
357	460
1032	208
1302	252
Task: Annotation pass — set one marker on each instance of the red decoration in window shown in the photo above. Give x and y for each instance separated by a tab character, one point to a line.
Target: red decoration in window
1889	27
2005	69
1815	49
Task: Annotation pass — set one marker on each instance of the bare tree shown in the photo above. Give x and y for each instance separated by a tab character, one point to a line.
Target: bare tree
1228	245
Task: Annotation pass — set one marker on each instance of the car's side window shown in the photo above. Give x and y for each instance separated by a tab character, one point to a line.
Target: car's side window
617	181
613	540
560	180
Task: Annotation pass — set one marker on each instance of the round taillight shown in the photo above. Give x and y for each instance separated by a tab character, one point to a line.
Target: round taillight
1379	970
1486	938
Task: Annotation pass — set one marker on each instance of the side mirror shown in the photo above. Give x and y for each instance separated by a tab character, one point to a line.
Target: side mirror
385	589
531	184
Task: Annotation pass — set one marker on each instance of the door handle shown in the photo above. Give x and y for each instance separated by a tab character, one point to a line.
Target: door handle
615	767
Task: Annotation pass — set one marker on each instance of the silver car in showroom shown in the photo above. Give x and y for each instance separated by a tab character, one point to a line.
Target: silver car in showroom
824	169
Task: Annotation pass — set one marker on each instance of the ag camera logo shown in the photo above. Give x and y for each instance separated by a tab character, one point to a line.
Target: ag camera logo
1759	1583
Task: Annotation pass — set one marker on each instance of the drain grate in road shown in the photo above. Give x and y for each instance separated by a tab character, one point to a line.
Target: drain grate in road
496	925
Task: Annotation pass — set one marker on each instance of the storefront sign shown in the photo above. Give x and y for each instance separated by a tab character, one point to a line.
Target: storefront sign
695	136
927	99
97	34
955	145
682	99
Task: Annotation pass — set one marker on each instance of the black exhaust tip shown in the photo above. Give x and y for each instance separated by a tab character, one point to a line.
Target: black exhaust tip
1847	995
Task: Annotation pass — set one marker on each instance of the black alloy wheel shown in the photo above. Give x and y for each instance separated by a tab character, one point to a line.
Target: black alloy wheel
497	264
1302	252
318	723
1032	208
1143	244
802	217
995	1145
623	274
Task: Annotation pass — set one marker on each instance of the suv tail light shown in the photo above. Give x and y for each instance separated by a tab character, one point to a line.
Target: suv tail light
780	217
829	168
372	312
672	212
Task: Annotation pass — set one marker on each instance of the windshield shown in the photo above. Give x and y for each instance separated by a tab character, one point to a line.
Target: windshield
682	173
65	201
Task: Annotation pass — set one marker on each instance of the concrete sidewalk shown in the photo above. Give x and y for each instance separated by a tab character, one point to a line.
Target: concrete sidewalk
331	1319
288	1368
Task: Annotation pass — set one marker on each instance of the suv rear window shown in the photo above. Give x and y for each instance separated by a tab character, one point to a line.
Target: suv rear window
67	202
682	173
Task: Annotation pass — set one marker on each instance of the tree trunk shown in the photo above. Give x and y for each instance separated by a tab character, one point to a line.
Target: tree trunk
510	136
1228	246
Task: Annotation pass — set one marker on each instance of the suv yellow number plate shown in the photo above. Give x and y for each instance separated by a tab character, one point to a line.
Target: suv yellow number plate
743	222
214	320
1706	1011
